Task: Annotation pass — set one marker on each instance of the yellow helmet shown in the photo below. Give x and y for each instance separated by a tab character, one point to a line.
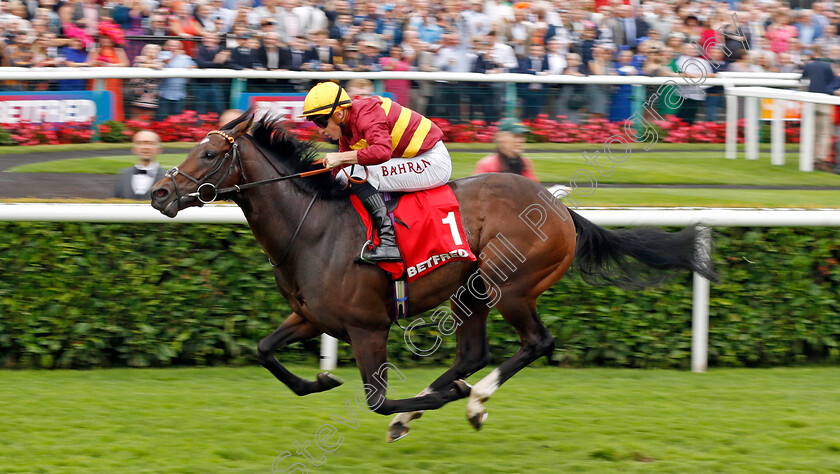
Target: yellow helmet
324	99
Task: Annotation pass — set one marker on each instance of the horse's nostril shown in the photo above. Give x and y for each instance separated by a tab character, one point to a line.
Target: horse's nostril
160	193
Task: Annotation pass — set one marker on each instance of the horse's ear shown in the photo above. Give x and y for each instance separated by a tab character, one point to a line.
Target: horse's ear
243	126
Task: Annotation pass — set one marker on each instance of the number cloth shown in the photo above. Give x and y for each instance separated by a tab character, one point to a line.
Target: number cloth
428	229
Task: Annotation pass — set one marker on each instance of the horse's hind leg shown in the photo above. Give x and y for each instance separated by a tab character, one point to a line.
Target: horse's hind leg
536	342
472	355
293	329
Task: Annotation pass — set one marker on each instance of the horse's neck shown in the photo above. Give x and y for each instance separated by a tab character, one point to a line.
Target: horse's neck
274	212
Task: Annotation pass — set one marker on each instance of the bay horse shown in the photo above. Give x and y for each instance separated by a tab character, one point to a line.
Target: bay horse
311	234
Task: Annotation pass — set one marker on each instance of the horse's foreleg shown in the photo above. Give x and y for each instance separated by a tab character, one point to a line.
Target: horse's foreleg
536	342
293	329
471	356
370	351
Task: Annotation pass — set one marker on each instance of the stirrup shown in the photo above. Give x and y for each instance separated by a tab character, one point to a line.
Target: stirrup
361	258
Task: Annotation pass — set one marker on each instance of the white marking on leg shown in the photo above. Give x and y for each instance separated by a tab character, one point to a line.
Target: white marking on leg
481	392
406	417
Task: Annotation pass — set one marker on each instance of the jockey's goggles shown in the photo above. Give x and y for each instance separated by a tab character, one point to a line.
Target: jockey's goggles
320	121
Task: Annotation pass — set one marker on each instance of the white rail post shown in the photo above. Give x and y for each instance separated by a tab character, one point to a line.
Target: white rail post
700	306
751	127
806	138
731	126
329	352
777	133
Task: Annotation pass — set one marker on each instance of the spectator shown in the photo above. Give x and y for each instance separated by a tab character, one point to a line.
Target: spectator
532	93
135	182
158	26
341	27
822	81
132	22
205	18
269	55
184	24
399	88
780	31
324	52
742	61
359	88
310	17
74	55
555	64
808	29
453	56
208	91
573	97
247	55
288	23
368	57
267	13
111	54
689	65
627	29
80	13
228	116
173	90
599	94
510	143
144	91
620	102
45	53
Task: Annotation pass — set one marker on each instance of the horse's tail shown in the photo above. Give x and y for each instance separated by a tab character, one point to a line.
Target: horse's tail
636	258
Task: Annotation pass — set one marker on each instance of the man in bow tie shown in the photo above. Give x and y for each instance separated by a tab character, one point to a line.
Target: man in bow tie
136	181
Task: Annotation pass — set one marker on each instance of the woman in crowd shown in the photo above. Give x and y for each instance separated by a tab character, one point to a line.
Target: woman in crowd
400	88
599	94
110	54
778	32
184	24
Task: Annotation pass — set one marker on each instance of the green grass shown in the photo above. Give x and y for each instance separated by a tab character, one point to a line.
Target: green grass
637	168
544	420
647	197
97	165
677	167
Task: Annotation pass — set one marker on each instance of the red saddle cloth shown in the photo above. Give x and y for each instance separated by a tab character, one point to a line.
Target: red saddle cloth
428	229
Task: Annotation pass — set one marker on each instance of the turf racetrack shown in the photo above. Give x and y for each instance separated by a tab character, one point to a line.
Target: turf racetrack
543	420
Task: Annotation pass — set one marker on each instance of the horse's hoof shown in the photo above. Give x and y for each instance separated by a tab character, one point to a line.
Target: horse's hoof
329	381
477	420
397	432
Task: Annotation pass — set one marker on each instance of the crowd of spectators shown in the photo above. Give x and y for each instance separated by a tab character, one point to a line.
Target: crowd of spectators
573	37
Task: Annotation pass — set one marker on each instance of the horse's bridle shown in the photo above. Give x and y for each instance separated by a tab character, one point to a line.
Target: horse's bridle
237	158
232	152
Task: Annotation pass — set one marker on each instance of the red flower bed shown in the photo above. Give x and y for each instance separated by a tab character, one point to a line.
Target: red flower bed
190	127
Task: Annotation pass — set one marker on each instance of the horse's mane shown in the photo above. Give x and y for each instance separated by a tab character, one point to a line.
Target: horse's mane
295	155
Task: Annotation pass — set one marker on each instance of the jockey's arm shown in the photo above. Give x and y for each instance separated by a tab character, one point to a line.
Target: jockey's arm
378	150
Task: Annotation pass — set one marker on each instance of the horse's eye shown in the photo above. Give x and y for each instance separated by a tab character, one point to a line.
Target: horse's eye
209	154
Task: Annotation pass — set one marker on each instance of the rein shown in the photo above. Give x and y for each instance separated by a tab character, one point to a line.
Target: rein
237	158
211	188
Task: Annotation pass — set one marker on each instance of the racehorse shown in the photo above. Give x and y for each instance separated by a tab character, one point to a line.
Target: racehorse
525	241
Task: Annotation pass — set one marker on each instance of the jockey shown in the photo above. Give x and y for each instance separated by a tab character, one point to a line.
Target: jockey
396	148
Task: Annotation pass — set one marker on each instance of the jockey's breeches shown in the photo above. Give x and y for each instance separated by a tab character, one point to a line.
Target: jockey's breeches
425	171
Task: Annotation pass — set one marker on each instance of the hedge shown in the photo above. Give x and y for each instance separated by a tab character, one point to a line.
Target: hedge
97	295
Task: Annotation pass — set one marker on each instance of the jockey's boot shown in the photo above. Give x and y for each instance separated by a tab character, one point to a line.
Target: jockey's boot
387	250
